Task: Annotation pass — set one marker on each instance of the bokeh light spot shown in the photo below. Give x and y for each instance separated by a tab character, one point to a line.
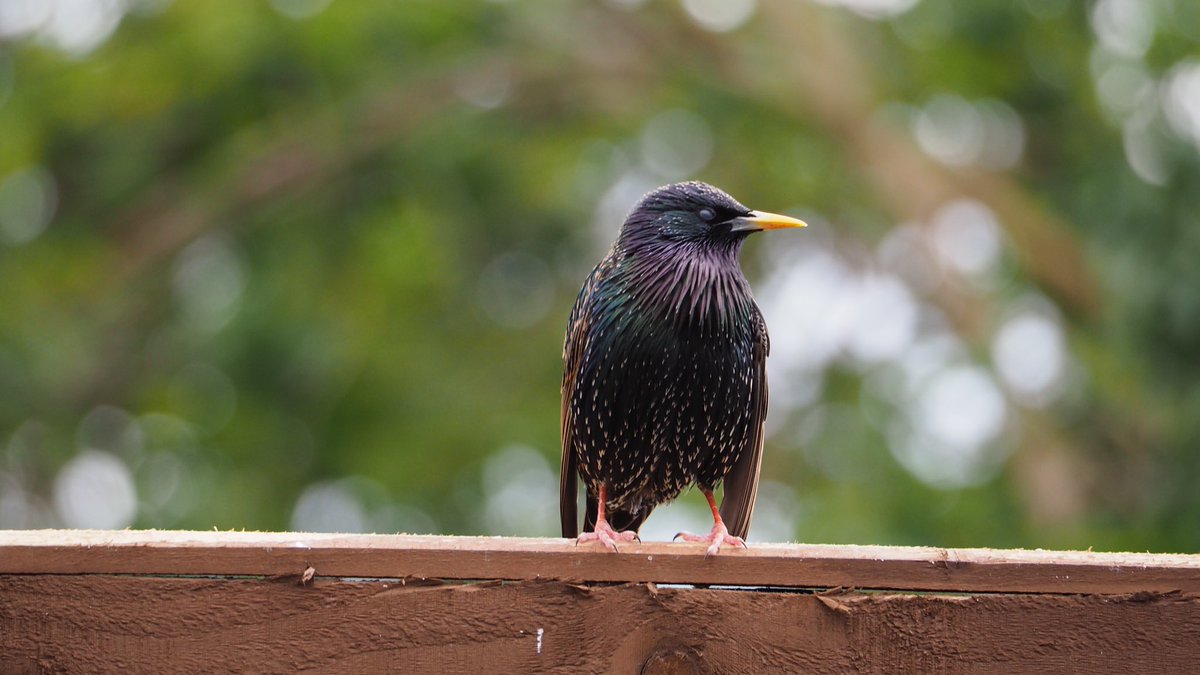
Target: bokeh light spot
208	282
776	513
517	486
950	436
958	132
486	85
1181	100
885	319
961	406
27	203
1144	151
808	309
329	506
95	490
720	16
906	252
874	9
676	144
1003	135
79	26
1123	86
967	236
950	129
20	508
615	203
404	519
1124	26
1029	351
626	4
112	430
516	289
682	515
22	17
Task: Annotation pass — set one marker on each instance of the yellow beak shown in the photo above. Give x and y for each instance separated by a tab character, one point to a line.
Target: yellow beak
761	220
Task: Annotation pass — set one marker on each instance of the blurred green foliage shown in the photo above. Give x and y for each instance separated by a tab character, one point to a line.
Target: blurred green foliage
282	264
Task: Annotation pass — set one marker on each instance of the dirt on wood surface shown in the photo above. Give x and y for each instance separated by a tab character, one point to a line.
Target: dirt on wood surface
75	624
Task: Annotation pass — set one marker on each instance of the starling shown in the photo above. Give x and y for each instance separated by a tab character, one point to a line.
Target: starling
665	381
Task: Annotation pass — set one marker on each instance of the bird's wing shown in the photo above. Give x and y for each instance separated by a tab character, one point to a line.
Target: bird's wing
741	484
573	348
568	488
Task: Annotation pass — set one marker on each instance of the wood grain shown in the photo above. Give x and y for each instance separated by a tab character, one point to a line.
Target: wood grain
57	623
498	558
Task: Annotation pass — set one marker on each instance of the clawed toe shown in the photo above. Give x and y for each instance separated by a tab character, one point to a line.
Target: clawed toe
606	535
718	537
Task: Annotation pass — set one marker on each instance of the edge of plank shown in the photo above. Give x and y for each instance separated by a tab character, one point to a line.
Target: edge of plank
904	568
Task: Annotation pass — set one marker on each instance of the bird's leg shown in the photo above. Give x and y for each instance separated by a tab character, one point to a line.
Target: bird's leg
719	534
603	532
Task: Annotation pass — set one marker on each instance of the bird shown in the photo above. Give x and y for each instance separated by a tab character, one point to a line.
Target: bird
664	380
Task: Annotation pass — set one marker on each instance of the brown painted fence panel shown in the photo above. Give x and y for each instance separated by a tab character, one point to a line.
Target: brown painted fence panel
138	601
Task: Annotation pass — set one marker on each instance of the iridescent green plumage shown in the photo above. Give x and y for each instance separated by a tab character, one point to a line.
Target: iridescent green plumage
665	364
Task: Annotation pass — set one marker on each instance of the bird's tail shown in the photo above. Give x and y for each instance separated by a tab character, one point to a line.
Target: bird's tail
620	519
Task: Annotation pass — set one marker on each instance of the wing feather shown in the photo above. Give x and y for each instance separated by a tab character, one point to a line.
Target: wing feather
573	349
741	484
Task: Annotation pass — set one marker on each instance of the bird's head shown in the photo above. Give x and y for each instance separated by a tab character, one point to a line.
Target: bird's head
696	212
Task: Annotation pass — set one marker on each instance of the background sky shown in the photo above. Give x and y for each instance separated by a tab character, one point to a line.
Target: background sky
304	264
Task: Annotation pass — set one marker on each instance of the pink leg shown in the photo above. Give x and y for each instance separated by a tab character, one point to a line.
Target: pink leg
603	532
718	536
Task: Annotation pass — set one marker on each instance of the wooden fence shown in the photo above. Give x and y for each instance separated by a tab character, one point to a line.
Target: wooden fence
159	602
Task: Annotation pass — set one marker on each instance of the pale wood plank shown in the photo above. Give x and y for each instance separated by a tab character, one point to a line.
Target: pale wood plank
504	558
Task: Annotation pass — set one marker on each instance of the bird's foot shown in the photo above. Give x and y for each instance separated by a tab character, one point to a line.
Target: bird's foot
718	537
605	534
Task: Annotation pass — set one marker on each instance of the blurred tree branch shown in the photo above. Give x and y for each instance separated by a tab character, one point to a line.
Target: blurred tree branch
839	91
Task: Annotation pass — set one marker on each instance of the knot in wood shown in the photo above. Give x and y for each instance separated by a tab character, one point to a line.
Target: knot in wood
672	660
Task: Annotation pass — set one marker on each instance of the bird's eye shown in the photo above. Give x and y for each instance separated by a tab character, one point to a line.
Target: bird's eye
707	215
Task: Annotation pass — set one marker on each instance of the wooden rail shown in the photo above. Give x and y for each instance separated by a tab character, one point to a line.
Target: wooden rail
156	601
